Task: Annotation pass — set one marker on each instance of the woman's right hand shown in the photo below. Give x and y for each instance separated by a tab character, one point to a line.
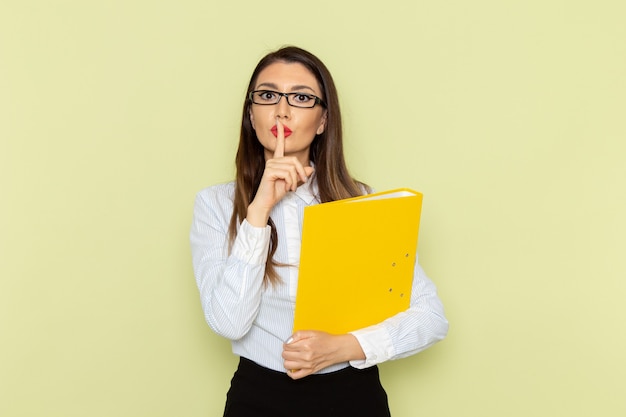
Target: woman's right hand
281	175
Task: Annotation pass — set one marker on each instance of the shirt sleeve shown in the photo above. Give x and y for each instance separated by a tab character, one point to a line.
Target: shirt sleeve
409	332
230	284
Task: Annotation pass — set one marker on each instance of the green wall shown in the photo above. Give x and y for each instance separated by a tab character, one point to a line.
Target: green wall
508	115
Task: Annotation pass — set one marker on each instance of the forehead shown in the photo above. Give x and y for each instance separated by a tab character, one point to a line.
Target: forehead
287	76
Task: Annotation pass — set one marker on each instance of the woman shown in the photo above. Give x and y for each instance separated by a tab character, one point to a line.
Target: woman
245	240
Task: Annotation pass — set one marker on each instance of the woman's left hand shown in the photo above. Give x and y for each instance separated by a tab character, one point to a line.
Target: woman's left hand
309	351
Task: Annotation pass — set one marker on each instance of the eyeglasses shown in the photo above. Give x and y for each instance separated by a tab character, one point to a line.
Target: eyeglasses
269	97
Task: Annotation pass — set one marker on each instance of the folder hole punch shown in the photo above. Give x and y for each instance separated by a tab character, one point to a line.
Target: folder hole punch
390	289
393	264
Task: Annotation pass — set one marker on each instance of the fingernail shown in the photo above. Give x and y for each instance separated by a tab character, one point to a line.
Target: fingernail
289	340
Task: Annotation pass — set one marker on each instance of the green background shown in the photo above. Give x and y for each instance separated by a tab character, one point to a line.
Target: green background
508	115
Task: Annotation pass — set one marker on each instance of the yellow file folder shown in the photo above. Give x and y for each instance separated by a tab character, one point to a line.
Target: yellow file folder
357	261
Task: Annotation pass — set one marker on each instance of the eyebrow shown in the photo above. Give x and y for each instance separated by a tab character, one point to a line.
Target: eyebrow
294	88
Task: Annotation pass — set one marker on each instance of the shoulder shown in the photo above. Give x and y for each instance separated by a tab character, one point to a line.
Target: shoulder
224	190
365	189
217	197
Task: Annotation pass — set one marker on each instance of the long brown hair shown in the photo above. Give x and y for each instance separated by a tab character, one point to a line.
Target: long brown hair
326	152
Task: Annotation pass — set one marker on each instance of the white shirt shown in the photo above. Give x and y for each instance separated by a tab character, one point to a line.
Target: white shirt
258	319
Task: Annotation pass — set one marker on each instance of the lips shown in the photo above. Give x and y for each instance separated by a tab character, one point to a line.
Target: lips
287	131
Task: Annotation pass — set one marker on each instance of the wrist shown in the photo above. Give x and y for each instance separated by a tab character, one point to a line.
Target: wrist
352	348
257	216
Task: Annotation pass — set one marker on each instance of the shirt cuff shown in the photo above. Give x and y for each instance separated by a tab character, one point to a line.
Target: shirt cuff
376	344
252	243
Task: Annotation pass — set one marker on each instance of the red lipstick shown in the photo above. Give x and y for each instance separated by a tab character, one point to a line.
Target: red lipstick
274	130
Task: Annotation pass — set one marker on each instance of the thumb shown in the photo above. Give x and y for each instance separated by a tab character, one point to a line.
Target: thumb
299	335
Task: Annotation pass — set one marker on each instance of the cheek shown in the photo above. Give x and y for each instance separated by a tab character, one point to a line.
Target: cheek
261	118
321	126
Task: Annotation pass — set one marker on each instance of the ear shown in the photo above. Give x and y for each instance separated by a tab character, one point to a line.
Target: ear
322	126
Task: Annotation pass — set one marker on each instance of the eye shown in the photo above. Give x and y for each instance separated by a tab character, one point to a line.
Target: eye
265	97
269	96
302	98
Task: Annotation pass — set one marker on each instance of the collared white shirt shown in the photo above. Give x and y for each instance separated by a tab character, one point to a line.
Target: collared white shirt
257	318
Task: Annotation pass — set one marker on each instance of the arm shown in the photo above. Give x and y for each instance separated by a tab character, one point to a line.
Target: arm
408	332
230	285
404	334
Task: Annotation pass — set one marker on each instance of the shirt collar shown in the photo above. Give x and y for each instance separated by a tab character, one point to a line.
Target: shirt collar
308	192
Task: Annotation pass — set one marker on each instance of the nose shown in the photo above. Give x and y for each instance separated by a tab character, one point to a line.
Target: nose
283	109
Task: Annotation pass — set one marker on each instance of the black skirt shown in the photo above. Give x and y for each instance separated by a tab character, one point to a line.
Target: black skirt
256	391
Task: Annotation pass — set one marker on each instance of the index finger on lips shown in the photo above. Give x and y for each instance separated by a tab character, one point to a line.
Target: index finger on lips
279	151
